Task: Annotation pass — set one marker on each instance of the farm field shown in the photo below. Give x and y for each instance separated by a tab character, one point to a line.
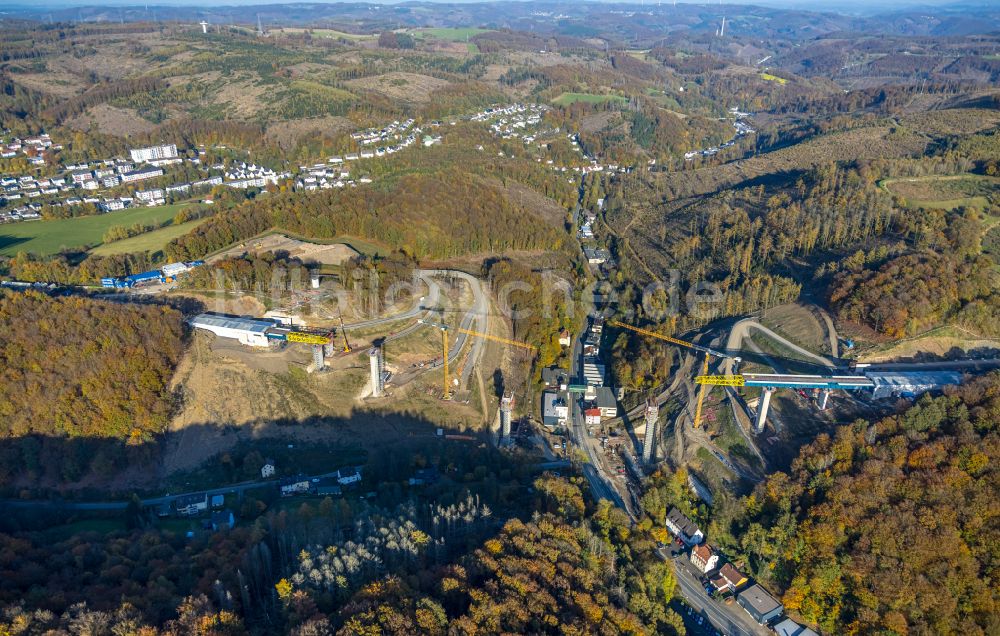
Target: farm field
944	192
591	98
49	237
148	242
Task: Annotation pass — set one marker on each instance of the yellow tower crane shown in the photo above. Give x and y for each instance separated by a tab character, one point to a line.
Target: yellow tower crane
343	332
444	346
683	343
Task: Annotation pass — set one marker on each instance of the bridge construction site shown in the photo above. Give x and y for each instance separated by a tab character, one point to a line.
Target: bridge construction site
426	314
585	402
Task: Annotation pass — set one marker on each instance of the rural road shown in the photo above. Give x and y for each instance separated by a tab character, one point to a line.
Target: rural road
728	619
831	331
153	501
600	484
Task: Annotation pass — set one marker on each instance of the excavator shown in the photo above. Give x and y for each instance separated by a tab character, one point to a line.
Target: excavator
689	345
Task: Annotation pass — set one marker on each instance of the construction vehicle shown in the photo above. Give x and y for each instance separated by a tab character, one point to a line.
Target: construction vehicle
689	345
444	346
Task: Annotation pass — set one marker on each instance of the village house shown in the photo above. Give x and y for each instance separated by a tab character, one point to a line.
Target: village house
704	558
554	409
189	505
294	486
604	401
729	579
348	476
683	528
788	627
425	476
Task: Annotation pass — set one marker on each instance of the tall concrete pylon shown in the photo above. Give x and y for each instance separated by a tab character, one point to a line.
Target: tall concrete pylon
376	364
765	401
649	441
506	408
319	361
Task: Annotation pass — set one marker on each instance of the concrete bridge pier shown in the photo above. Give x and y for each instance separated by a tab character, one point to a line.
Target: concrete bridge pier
765	402
824	396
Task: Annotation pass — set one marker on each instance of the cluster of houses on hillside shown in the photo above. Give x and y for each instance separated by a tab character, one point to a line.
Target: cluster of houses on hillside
722	577
145	163
33	148
381	136
323	177
244	175
77	184
335	173
512	121
157	196
380	151
742	130
524	122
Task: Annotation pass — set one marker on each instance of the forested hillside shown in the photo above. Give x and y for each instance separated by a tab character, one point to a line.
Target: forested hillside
545	576
349	568
889	526
75	371
427	216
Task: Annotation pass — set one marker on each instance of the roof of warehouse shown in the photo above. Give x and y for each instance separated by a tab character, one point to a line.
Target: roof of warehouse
915	378
759	599
231	322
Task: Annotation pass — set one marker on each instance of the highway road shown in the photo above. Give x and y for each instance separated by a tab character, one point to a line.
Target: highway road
428	307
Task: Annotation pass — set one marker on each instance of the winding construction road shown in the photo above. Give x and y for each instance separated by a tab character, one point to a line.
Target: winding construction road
741	330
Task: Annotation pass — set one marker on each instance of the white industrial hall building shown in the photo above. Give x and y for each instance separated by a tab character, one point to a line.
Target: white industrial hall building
247	330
